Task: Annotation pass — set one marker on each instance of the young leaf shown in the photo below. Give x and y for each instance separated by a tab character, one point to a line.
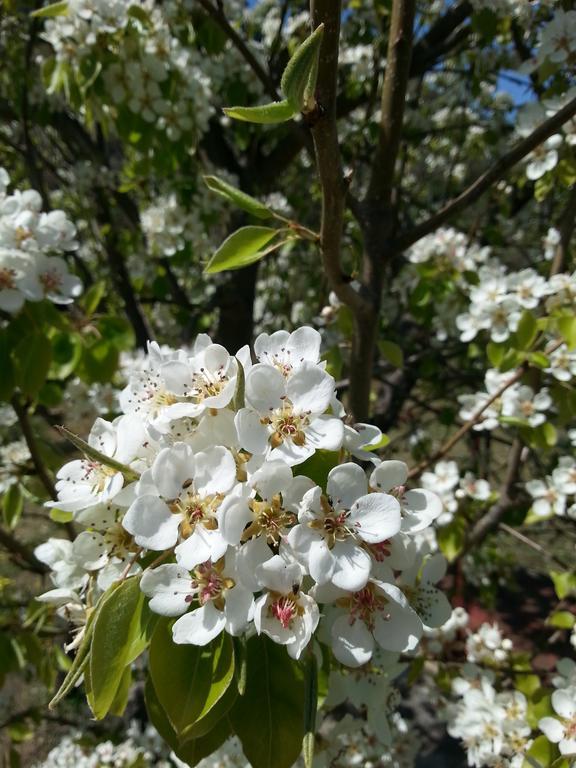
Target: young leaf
269	718
32	356
194	750
82	655
12	504
299	78
567	328
239	198
243	247
267	114
527	330
49	11
119	637
392	352
101	458
189	680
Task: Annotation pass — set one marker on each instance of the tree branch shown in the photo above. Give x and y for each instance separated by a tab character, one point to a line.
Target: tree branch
393	100
22	554
327	149
483	183
219	17
24	421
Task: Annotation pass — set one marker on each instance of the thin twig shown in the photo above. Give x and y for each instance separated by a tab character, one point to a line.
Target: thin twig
484	182
219	17
534	545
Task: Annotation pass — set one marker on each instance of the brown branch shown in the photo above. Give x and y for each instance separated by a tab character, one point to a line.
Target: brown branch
494	515
393	100
566	226
484	182
327	149
22	555
466	427
26	427
535	546
219	17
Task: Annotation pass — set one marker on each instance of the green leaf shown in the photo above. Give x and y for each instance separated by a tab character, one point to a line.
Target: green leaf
392	352
49	11
539	360
239	198
269	718
562	620
527	330
541	753
567	328
66	354
92	297
32	356
564	583
189	680
495	353
318	466
299	79
12	503
451	538
268	114
120	702
310	709
119	637
243	247
194	750
82	655
92	453
61	517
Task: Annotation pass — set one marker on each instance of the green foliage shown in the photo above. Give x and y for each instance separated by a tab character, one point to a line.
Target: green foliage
392	352
243	247
12	504
276	112
318	466
49	11
120	635
299	79
190	681
269	718
101	458
239	198
451	538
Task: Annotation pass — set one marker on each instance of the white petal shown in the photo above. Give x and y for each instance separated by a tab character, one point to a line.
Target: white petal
172	468
151	523
273	477
353	566
326	433
215	471
265	388
564	703
420	508
237	609
310	389
201	546
252	434
321	561
169	588
388	475
346	483
352	643
199	627
552	729
233	516
375	517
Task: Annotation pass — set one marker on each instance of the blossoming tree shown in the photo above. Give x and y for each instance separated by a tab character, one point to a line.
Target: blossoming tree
287	354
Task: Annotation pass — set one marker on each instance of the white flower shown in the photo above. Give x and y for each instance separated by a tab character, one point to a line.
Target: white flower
420	507
178	498
86	482
289	351
562	730
285	418
335	532
521	403
377	614
224	604
548	499
284	612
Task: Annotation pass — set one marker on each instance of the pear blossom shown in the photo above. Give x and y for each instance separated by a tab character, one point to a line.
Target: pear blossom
561	730
177	499
284	612
336	532
285	418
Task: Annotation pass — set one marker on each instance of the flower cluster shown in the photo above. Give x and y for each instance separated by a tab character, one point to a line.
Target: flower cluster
561	727
551	495
145	65
29	241
212	464
500	297
445	480
492	724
